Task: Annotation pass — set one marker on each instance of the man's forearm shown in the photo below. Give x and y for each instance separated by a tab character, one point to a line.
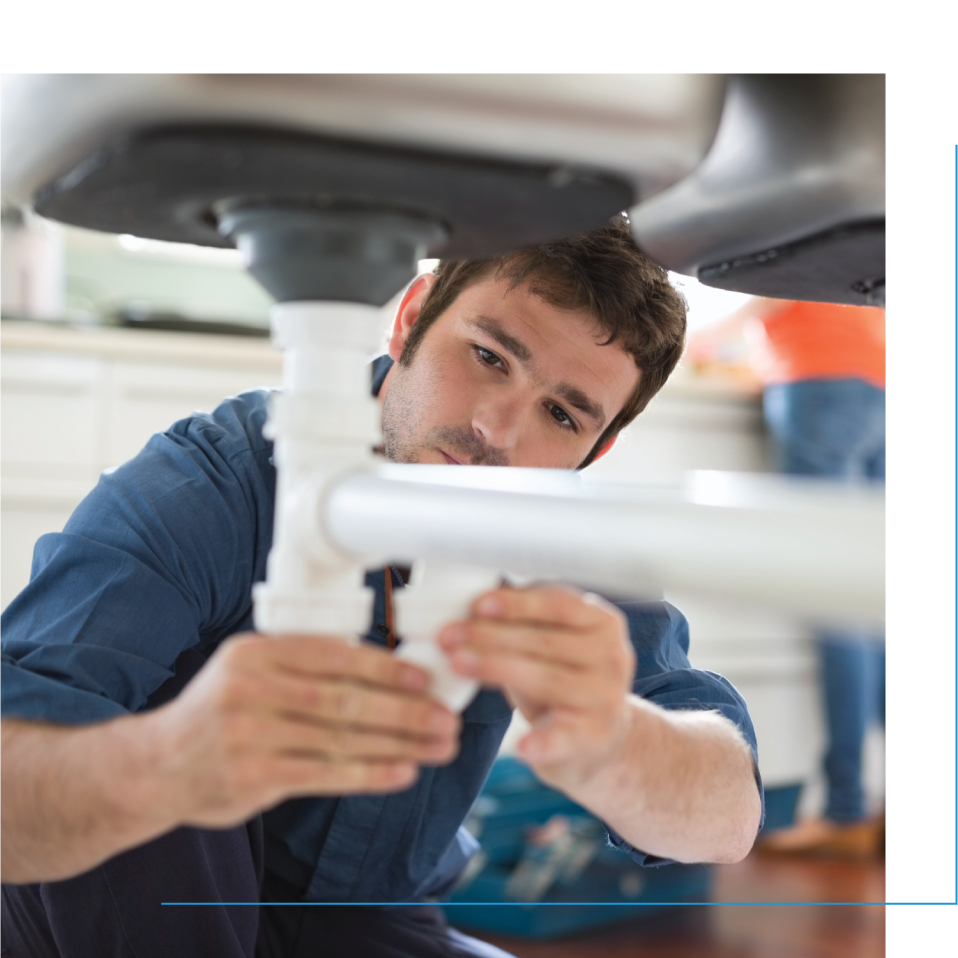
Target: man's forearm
261	722
75	796
681	786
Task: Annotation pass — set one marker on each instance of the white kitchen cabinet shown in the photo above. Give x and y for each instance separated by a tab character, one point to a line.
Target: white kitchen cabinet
78	401
51	404
144	398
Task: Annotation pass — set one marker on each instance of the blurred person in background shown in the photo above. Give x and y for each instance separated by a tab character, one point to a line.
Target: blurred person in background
821	367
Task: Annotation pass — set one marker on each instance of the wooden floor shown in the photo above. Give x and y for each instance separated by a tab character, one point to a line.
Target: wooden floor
747	931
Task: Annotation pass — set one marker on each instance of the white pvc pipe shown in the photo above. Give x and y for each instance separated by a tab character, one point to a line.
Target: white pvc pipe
437	594
813	551
323	423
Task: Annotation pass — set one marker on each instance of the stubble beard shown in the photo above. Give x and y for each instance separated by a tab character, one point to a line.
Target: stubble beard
400	420
405	435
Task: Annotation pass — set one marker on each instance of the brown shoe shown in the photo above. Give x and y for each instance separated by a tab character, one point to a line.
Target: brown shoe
819	837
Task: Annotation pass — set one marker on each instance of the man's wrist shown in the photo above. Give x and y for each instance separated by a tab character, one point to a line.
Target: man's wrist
605	773
615	771
75	796
141	786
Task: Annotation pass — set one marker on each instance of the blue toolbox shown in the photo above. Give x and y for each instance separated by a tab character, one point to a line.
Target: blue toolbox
547	864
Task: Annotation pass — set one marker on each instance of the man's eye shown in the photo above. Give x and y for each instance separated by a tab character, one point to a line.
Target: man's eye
561	416
488	356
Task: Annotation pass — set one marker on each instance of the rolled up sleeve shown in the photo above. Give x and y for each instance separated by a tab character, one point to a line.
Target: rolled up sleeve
138	575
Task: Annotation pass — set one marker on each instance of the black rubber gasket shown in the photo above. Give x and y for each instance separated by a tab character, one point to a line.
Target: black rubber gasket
165	184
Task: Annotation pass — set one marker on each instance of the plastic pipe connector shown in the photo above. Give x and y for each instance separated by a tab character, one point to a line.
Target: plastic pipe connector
436	596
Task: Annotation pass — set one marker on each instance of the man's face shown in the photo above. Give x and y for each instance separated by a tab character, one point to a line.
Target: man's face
502	378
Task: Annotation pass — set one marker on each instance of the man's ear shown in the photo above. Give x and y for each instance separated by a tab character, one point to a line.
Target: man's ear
408	312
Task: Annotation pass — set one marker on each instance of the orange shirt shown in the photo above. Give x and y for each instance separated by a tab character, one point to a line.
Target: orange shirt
819	341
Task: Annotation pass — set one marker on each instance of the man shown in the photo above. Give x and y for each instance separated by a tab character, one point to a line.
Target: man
155	750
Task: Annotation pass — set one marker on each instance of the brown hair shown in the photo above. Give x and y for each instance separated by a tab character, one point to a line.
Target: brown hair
601	271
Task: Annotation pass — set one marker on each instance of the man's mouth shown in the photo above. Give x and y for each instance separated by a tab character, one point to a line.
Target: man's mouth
449	459
469	449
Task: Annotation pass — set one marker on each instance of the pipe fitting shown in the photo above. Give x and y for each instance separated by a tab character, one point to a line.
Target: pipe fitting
437	595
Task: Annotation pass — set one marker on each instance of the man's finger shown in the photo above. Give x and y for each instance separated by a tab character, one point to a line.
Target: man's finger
550	605
301	776
343	702
540	681
551	741
324	656
549	643
335	742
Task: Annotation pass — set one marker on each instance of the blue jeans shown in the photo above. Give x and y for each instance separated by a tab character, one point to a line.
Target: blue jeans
835	428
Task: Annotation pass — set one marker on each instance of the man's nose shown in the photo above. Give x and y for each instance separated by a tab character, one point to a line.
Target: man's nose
500	422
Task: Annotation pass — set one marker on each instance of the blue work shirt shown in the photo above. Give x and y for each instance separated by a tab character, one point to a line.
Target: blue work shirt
154	569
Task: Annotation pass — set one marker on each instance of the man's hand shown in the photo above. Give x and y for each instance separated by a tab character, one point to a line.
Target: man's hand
677	784
566	662
264	720
268	719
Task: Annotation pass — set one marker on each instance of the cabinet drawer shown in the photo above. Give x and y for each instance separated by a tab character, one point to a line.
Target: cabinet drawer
52	411
146	398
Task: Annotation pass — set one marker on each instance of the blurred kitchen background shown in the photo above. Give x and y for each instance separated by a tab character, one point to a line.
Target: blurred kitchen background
107	339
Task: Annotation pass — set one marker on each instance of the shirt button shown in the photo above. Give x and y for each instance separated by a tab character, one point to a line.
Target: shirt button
382	629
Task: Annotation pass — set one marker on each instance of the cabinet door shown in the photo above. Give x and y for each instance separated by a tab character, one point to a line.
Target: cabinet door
146	398
52	413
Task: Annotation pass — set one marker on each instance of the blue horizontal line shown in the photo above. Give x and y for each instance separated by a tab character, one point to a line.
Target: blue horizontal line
522	904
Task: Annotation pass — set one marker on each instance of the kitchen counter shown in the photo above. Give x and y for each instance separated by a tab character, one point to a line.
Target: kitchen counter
140	344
